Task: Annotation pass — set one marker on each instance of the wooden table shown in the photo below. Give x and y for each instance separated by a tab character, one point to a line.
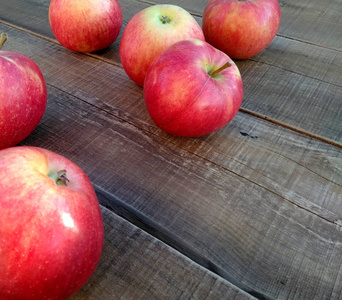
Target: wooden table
252	210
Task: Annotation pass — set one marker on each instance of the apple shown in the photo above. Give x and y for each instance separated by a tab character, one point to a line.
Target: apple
85	25
241	28
51	229
192	89
23	96
150	32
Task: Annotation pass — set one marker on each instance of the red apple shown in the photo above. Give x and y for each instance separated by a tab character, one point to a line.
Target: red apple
23	96
51	230
241	28
150	32
192	89
85	25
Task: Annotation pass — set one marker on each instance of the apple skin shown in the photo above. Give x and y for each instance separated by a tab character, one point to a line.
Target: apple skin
181	96
23	97
241	28
146	36
85	25
51	235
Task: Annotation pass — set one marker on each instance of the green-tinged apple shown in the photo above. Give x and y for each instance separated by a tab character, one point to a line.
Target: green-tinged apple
51	229
85	25
23	96
192	89
150	32
241	28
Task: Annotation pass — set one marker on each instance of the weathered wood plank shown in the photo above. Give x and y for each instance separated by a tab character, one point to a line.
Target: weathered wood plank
304	59
134	265
304	103
30	14
219	215
313	21
291	82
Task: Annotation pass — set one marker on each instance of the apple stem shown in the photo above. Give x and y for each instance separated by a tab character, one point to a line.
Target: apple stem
3	39
225	66
165	19
59	177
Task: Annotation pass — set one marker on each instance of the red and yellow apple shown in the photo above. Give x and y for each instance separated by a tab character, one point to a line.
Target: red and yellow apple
192	89
241	28
51	229
23	96
150	32
85	25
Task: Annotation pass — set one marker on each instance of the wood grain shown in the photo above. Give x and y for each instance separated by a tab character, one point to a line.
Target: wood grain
134	265
313	22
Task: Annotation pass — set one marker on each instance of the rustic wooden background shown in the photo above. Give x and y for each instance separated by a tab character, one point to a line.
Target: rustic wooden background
253	210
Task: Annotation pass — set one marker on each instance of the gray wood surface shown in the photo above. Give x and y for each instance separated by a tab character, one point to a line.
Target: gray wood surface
253	208
134	265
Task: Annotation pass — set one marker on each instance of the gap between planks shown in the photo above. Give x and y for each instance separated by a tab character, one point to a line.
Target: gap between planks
138	219
255	114
307	42
293	128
